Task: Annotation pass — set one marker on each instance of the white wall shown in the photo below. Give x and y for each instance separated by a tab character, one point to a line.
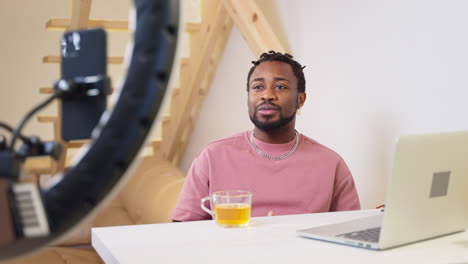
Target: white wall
375	70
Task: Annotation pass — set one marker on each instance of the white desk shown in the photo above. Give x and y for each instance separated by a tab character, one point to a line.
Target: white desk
268	240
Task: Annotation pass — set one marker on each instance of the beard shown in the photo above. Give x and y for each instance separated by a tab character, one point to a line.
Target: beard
273	125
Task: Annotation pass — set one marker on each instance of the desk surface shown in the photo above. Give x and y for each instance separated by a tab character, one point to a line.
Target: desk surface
268	240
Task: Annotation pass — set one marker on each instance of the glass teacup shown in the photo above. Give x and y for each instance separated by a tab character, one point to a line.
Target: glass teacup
231	208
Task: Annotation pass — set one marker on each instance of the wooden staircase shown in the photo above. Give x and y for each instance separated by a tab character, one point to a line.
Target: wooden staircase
208	38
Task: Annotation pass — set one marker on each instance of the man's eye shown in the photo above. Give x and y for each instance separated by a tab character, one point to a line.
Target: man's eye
280	87
257	87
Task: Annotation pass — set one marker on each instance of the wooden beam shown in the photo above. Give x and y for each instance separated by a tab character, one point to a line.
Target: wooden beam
211	38
57	59
166	128
175	101
109	25
80	14
254	27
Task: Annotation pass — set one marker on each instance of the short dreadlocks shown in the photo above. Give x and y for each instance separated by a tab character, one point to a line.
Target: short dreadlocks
287	58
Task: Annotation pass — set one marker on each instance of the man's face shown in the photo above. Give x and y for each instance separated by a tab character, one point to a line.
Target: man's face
273	98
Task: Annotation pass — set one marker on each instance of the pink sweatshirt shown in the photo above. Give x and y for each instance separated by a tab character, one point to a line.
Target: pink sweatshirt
313	179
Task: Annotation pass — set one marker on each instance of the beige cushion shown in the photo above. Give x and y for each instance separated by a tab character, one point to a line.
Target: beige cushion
148	197
152	195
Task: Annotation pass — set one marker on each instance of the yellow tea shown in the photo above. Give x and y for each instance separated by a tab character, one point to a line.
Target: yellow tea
232	214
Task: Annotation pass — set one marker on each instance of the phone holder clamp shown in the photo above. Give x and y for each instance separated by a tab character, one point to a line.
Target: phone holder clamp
83	86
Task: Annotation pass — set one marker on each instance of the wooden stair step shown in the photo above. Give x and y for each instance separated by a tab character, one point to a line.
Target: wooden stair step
46	90
192	27
109	25
57	59
46	119
50	90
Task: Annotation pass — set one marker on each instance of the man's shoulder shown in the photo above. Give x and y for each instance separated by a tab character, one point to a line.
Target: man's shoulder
236	140
326	155
310	143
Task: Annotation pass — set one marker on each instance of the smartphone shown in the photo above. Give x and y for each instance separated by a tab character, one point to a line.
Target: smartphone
83	55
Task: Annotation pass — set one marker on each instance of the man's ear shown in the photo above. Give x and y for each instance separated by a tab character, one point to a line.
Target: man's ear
301	98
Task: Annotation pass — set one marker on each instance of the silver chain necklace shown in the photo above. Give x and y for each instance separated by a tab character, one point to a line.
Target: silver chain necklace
271	157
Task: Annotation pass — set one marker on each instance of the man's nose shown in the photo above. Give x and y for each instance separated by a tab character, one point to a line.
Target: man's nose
269	94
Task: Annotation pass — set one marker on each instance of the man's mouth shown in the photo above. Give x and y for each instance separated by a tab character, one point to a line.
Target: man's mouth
267	109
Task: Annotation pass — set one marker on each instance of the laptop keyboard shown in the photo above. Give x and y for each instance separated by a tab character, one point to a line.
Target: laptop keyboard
368	235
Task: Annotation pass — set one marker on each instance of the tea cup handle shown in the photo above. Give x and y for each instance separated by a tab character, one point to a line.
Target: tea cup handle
203	200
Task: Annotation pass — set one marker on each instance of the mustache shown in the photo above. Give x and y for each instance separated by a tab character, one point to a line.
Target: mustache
268	106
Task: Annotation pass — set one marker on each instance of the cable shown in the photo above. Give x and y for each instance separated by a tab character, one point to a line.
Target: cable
6	126
17	131
11	130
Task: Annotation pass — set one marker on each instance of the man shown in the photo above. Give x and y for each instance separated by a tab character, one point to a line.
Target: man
288	173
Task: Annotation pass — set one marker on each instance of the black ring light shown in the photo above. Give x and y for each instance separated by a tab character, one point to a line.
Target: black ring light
121	136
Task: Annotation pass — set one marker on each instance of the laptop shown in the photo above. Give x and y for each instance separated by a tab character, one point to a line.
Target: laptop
427	196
